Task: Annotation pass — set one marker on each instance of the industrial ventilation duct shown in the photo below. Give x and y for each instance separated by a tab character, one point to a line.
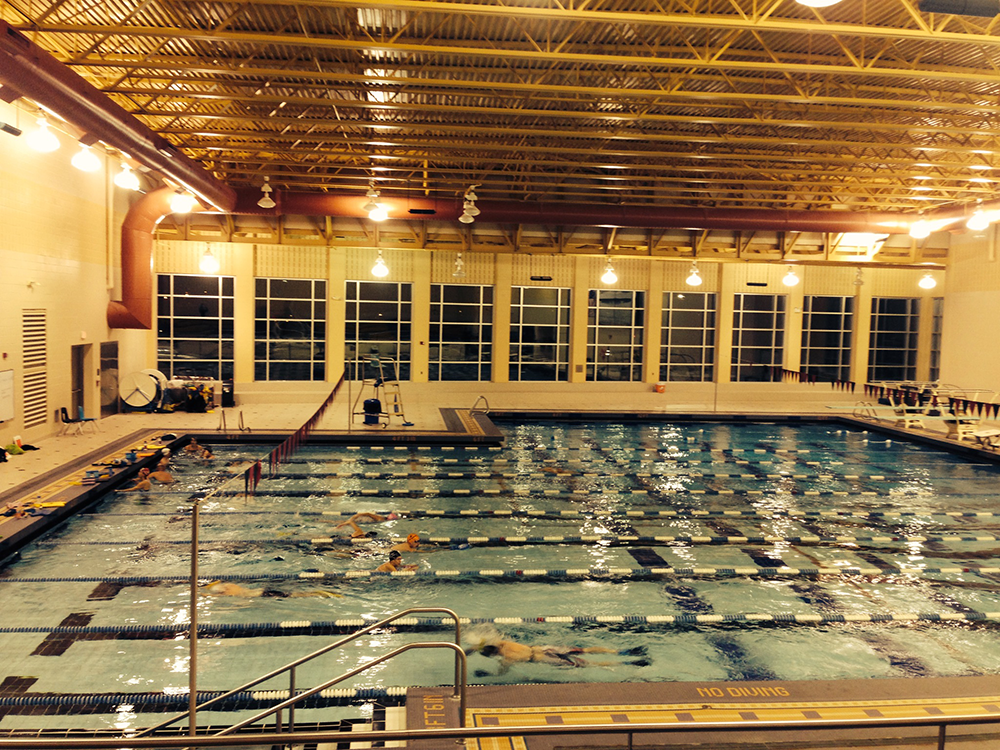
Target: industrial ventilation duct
983	8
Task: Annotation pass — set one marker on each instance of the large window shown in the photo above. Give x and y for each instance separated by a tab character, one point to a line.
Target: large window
461	339
758	336
539	333
937	323
614	334
378	319
892	354
290	329
826	337
687	338
195	326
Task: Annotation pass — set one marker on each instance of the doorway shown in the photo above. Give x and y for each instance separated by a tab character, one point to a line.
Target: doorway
78	383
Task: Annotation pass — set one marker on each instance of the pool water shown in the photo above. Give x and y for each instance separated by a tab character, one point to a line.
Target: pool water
724	552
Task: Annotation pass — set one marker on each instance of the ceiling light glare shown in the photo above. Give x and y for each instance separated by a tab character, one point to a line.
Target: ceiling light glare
208	263
694	278
379	213
459	271
42	139
181	202
609	277
266	200
380	269
127	179
920	229
978	221
86	160
791	278
927	282
818	3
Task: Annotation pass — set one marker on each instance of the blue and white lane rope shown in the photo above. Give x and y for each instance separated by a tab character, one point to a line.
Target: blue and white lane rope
528	573
585	513
601	539
424	624
112	702
529	492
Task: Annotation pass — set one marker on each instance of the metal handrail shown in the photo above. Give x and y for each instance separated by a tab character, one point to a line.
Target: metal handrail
290	667
321	737
483	399
459	690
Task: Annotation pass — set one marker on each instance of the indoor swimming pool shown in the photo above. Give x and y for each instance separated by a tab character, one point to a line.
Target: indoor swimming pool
695	552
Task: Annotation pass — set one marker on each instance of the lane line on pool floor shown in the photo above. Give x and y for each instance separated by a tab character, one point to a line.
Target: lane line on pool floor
433	624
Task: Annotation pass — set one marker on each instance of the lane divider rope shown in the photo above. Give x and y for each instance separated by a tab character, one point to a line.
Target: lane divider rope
502	541
527	573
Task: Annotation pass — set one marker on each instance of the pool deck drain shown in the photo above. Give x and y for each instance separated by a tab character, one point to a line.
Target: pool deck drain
691	703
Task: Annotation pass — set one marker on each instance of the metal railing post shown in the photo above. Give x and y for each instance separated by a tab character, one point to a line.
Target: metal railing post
193	632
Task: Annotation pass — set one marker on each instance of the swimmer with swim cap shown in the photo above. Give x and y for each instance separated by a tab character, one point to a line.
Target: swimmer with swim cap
410	545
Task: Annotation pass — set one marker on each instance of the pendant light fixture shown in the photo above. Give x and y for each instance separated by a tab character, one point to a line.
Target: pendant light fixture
791	278
694	277
209	263
609	277
42	139
266	201
380	269
127	179
85	159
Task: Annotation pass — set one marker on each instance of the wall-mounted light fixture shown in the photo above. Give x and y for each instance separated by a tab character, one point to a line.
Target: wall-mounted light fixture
459	271
927	282
609	277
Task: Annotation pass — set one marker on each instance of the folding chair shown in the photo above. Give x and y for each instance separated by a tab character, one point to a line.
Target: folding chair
74	426
84	421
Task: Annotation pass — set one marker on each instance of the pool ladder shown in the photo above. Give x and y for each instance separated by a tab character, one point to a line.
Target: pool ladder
477	410
458	691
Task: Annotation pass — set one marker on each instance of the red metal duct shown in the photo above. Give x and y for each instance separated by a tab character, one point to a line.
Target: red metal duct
32	72
135	310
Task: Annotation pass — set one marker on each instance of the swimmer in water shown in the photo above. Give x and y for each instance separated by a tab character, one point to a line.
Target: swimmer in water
226	588
394	564
511	652
364	517
410	545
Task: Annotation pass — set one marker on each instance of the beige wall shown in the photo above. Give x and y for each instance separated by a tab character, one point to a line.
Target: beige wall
970	348
58	228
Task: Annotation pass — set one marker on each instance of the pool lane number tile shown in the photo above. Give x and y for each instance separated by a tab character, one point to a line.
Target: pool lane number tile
707	711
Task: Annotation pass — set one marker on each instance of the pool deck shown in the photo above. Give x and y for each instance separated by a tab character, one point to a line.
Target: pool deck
743	703
54	472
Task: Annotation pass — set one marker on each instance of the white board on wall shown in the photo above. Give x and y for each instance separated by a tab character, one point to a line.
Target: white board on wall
6	395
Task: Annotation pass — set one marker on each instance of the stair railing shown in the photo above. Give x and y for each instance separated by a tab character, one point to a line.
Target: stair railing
460	672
